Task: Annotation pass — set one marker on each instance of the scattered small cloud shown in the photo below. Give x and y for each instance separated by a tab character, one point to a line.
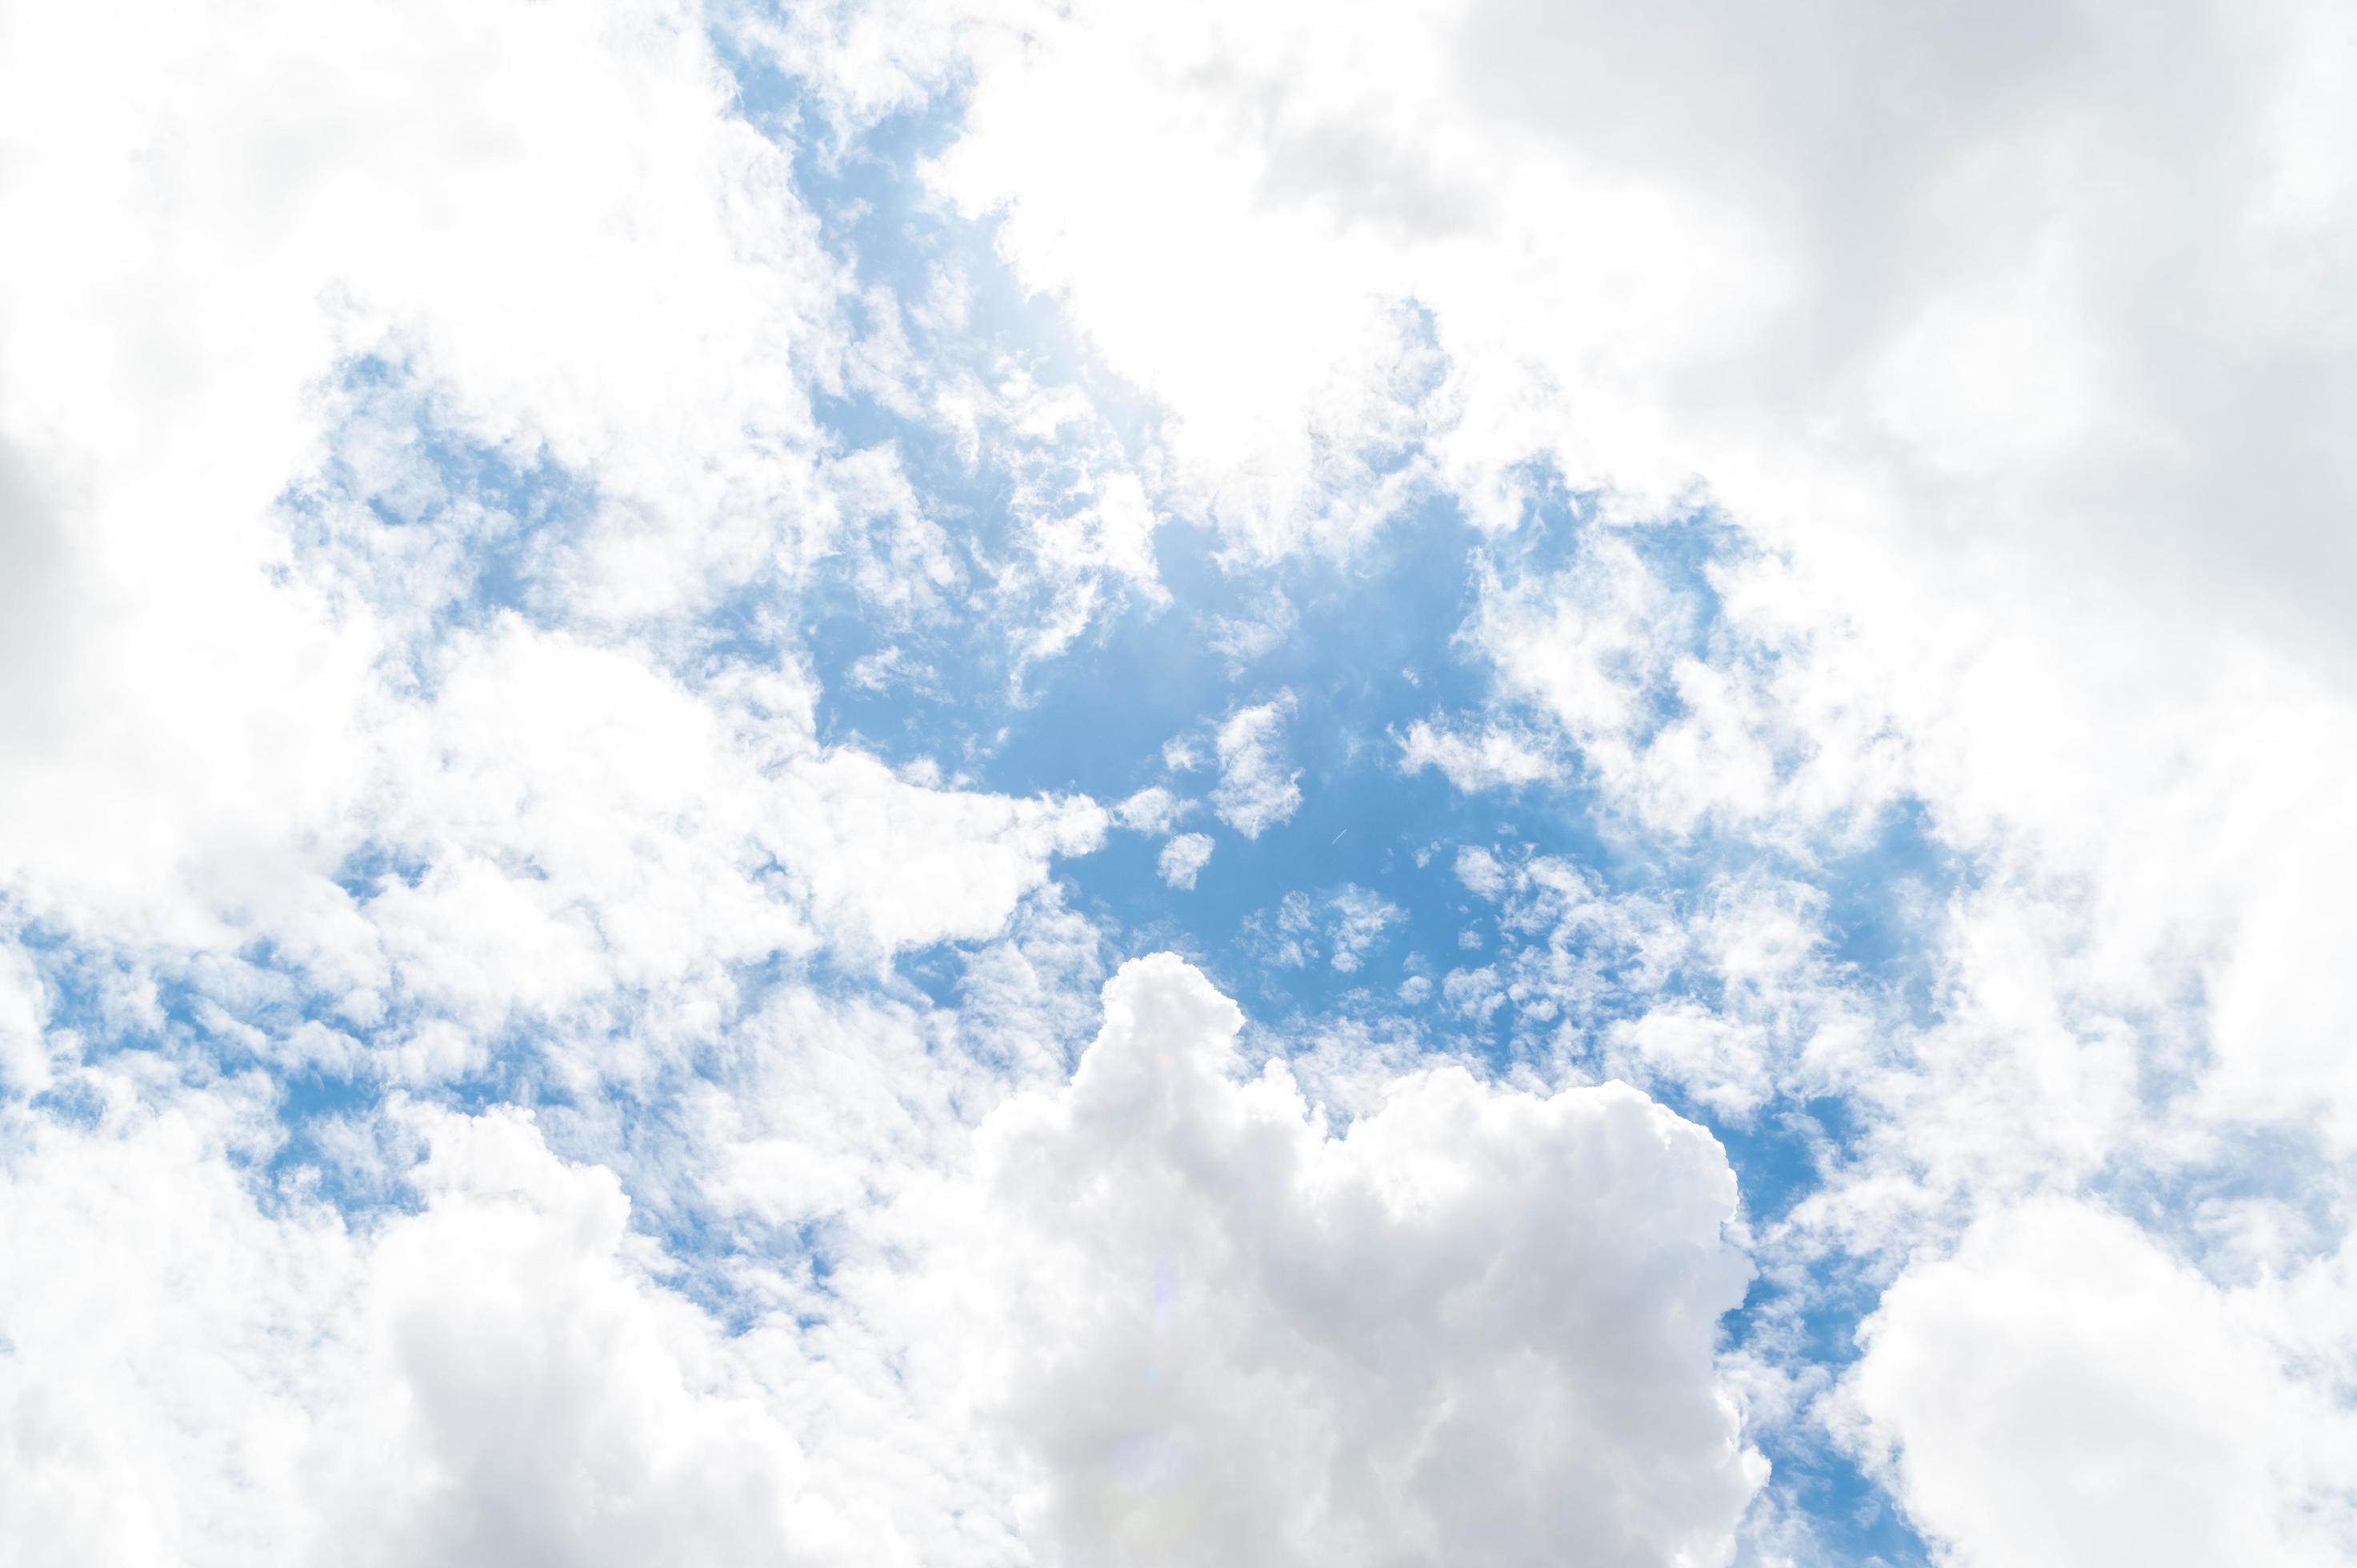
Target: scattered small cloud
1488	758
1183	859
1154	812
1256	789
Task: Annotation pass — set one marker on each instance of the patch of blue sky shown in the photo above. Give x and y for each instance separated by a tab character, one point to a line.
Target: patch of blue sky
1097	721
369	870
1883	900
1852	1520
2284	1178
199	1022
94	1000
500	512
1807	1316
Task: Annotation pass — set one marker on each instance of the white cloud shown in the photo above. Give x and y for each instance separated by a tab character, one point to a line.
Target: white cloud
579	825
1360	917
1181	755
1681	723
891	667
1341	924
495	1374
1475	1326
545	213
1726	993
1481	872
909	866
2062	1391
1183	859
1494	758
24	1019
1244	640
1721	1062
1639	259
1256	790
1153	811
268	714
1083	521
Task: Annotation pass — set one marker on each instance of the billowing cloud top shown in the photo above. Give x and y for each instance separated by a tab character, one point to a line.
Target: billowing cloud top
1428	782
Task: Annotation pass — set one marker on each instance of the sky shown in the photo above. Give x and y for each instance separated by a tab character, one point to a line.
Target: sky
995	783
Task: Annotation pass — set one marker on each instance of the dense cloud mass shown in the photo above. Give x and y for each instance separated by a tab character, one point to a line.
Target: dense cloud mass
1420	782
2061	1390
1473	1326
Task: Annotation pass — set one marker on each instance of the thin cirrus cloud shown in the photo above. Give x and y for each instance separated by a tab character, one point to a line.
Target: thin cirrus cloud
597	903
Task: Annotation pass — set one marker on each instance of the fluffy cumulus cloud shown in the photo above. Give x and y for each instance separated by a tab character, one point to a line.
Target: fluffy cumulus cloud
2061	1388
628	628
1468	1328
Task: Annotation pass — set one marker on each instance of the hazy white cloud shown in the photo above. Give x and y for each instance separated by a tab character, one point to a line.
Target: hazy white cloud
24	1019
1257	789
495	1373
1341	925
1360	917
1153	811
1630	223
1492	758
1480	871
546	214
1183	859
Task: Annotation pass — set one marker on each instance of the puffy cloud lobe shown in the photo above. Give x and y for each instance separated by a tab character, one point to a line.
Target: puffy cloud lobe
553	1402
2062	1391
1477	1324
